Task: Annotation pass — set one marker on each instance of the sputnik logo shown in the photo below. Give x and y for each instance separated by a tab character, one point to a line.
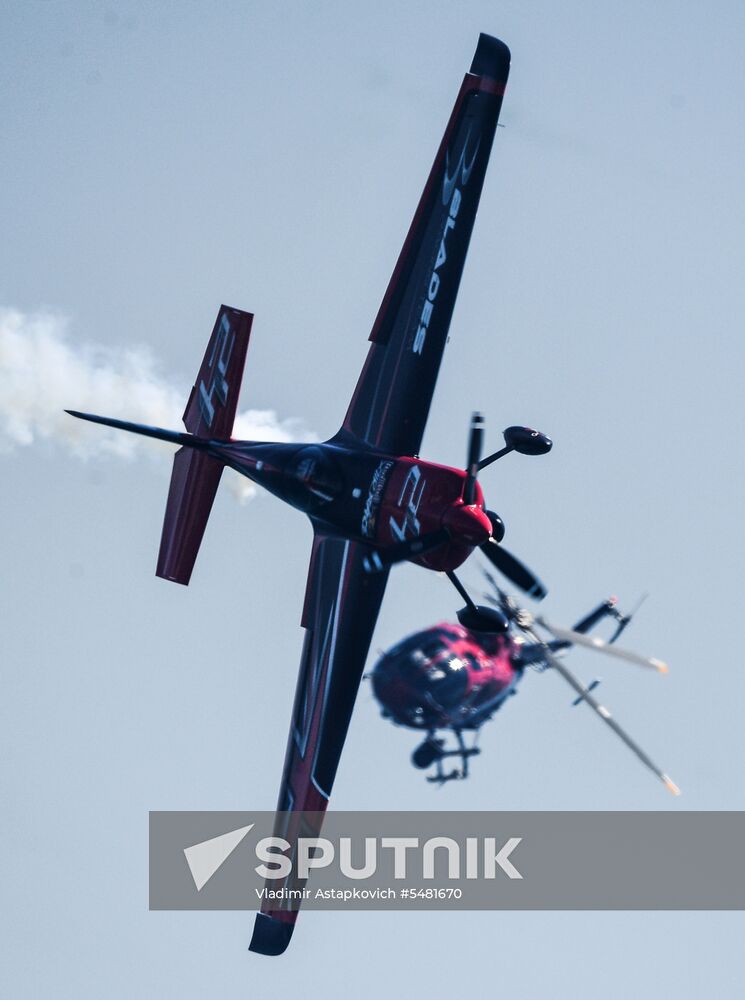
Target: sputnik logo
206	857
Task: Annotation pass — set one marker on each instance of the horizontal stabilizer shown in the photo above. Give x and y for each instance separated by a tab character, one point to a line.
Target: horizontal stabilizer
194	483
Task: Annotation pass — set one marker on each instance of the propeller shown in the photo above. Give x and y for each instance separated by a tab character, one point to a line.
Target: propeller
527	442
475	444
459	520
515	571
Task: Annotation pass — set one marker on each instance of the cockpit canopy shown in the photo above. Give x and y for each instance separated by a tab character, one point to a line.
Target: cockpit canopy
315	477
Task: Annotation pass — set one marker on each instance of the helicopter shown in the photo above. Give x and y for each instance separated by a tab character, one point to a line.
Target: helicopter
450	679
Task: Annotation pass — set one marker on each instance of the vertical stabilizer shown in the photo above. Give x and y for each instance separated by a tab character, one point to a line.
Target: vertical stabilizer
210	413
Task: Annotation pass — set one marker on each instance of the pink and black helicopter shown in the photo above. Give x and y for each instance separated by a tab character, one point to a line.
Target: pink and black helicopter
448	680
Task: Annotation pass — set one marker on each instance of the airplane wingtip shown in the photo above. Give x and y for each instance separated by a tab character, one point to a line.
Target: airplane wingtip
492	58
271	936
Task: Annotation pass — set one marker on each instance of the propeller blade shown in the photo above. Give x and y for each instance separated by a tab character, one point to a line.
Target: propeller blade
601	710
593	642
515	571
380	559
475	444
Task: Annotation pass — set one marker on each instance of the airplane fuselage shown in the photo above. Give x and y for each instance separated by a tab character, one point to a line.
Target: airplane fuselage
367	496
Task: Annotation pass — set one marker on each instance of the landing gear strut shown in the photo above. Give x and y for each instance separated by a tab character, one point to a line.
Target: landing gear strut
433	751
477	617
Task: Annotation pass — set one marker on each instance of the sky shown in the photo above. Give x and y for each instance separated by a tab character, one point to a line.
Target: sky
159	159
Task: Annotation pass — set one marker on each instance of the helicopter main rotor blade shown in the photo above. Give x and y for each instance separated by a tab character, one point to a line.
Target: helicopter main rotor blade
601	711
515	571
593	642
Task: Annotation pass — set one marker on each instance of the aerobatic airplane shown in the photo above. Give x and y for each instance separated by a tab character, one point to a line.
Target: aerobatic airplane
370	498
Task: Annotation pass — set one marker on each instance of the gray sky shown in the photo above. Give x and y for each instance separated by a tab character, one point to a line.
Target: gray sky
160	159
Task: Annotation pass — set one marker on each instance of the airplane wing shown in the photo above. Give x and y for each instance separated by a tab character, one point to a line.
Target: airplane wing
391	403
341	608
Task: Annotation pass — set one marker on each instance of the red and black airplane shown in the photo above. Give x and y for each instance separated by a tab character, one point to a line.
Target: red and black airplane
371	499
450	679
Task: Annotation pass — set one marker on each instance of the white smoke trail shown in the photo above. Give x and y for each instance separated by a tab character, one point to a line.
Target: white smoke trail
42	373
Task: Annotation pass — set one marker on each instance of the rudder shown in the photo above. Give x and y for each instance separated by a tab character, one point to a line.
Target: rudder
213	400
